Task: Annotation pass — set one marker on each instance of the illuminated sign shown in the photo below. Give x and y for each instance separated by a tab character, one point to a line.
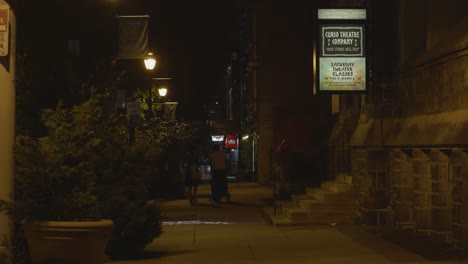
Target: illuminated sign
342	50
231	142
342	41
217	138
4	11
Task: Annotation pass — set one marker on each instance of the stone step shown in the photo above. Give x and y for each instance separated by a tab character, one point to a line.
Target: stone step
284	220
335	186
329	196
299	215
344	178
283	204
275	218
316	205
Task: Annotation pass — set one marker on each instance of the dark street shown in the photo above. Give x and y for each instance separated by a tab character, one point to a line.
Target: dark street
340	125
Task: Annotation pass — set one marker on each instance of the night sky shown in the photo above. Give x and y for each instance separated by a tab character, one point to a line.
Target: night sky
191	39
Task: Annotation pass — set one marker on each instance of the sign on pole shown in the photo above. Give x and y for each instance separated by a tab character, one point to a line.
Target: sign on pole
133	108
133	113
342	50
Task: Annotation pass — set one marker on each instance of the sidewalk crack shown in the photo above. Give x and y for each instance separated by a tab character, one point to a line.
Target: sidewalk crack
252	252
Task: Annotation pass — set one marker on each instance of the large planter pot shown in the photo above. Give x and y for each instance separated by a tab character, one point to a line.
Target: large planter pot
68	242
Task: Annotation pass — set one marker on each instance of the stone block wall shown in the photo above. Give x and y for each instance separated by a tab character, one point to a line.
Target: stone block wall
401	181
428	191
360	181
459	174
422	190
370	184
442	201
435	86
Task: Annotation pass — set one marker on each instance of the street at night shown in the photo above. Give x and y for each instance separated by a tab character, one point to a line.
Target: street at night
233	131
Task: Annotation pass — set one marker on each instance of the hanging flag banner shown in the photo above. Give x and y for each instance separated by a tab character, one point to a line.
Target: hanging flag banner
341	50
4	12
133	37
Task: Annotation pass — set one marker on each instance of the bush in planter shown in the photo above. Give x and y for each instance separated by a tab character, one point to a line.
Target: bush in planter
84	169
128	182
55	177
123	182
55	180
135	226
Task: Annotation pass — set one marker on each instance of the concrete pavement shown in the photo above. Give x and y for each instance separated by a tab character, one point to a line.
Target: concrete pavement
235	231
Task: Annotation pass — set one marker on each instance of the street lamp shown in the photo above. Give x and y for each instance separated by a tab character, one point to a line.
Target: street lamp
162	91
150	63
162	85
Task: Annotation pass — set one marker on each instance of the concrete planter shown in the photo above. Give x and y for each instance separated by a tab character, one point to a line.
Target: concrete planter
68	242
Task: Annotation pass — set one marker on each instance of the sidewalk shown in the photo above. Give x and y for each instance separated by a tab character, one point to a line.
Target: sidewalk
236	232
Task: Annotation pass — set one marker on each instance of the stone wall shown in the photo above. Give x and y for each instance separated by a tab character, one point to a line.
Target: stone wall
401	177
360	179
435	87
427	191
459	175
433	57
442	201
426	180
422	190
370	185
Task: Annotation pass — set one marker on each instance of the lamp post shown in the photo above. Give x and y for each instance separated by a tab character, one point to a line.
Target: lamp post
150	64
162	84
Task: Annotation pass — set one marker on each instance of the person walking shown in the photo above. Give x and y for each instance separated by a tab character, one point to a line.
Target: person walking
218	173
192	177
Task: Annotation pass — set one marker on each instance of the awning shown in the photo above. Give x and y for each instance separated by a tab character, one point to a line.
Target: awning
448	129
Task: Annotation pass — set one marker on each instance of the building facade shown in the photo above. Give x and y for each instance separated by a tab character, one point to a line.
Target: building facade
279	81
409	150
403	141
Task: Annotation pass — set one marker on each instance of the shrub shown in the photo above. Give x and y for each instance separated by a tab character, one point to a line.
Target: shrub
85	169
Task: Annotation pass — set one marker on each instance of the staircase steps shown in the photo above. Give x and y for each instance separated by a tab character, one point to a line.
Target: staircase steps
330	204
329	196
344	178
299	215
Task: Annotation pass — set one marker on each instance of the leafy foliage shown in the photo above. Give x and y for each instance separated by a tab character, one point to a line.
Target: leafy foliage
80	164
164	132
85	169
55	175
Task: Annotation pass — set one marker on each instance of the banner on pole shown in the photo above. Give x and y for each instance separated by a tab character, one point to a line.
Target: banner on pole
133	37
